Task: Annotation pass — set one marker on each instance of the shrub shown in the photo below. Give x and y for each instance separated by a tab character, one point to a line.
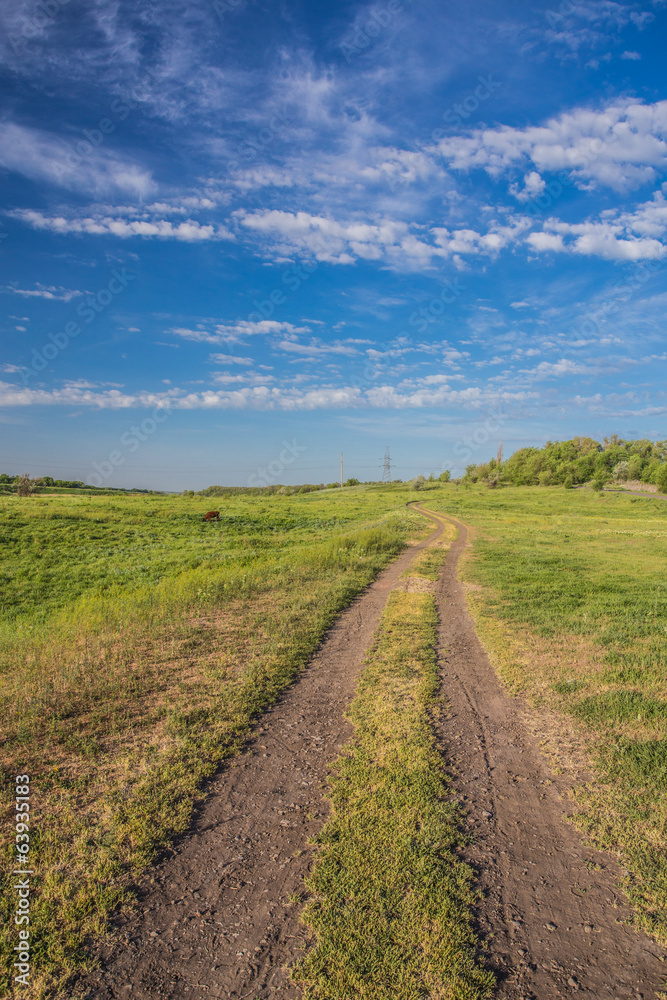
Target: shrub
621	472
660	478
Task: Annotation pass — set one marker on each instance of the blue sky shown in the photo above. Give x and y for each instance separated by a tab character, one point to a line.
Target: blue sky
239	237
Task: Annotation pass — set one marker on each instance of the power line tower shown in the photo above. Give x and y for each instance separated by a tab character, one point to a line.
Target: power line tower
386	472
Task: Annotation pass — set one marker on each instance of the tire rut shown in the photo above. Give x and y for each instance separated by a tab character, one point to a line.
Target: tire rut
218	916
552	917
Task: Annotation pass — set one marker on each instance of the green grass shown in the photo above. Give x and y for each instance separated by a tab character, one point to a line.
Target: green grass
138	643
390	904
135	662
573	608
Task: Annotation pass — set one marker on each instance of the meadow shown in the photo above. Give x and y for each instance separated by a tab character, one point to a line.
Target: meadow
570	600
137	645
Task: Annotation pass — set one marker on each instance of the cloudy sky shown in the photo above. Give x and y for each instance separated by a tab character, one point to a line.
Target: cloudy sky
238	236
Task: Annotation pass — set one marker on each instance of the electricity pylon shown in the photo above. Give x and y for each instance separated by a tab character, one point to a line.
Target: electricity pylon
386	472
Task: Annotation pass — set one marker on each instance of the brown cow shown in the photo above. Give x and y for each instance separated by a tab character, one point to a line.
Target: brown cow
213	515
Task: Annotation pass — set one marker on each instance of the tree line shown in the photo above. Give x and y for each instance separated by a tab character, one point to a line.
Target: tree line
577	462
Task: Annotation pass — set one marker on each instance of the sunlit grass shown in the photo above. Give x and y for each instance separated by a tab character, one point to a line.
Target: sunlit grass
573	607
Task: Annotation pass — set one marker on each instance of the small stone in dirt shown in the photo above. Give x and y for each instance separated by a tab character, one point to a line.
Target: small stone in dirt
487	815
551	927
588	929
573	983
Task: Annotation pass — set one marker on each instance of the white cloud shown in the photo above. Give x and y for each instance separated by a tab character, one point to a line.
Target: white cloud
233	333
316	348
188	231
336	242
41	156
533	185
41	291
621	146
230	359
263	397
615	235
630	55
224	378
545	241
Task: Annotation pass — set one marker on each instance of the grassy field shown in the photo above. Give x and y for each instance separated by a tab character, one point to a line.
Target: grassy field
390	899
573	608
137	643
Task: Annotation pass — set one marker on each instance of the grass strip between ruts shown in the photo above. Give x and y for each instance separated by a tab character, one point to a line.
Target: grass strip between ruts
390	899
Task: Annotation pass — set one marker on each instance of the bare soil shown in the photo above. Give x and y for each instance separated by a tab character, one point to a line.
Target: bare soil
218	916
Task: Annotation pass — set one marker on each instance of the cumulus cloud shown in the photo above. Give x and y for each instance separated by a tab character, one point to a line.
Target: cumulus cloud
533	185
621	146
232	333
263	397
545	241
316	348
225	378
615	235
188	231
230	359
40	291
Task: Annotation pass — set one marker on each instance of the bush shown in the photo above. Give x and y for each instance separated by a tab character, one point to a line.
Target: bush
660	478
25	486
621	472
445	476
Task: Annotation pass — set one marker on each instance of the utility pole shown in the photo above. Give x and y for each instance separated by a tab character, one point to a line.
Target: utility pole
341	470
386	472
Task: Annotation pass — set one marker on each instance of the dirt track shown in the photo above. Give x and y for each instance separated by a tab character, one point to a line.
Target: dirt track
215	917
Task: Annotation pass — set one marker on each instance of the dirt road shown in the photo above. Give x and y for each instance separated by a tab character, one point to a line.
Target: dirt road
219	917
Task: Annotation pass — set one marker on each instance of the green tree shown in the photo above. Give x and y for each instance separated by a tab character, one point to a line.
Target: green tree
660	478
25	486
